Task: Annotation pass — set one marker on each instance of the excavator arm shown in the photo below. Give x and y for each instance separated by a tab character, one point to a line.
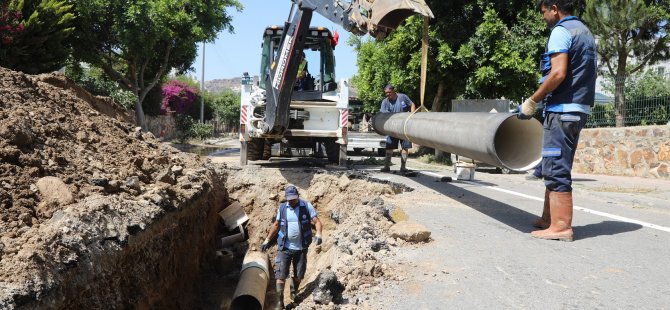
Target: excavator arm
374	17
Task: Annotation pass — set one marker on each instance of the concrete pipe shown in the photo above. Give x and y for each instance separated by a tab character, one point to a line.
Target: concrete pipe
498	139
253	283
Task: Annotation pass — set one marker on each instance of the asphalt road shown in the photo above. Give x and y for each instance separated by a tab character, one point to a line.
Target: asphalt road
482	255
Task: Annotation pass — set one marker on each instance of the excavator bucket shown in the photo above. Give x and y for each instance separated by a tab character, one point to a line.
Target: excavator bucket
386	15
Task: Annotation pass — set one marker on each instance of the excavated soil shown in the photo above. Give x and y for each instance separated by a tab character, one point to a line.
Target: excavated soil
96	214
77	183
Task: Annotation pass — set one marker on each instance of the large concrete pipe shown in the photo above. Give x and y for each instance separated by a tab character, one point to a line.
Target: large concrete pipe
253	283
498	139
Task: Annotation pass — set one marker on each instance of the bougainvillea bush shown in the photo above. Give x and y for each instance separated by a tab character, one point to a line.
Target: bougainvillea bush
178	97
10	23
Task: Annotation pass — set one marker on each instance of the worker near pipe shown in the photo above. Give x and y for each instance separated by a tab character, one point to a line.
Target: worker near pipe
293	225
395	103
568	88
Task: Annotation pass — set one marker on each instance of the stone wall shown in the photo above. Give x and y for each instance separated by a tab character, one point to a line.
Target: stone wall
633	151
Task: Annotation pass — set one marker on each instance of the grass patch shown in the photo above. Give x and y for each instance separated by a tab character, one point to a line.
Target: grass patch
619	189
431	159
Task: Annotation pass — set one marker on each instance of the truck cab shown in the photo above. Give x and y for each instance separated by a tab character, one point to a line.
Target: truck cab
318	113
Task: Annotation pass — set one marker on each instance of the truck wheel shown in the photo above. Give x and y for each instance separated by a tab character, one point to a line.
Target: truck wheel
333	151
267	150
255	149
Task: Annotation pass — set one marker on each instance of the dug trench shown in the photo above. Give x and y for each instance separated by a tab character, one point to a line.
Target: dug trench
96	214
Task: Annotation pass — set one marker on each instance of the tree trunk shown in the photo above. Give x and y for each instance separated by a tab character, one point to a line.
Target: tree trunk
620	99
139	115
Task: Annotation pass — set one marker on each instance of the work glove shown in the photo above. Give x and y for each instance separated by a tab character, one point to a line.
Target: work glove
527	109
266	245
318	240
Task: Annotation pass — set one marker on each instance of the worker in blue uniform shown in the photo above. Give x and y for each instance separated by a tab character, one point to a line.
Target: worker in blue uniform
293	226
568	88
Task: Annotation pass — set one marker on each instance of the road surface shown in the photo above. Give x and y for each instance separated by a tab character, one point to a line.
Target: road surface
482	255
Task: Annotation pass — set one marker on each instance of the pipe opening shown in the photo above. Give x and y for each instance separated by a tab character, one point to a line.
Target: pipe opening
518	143
245	302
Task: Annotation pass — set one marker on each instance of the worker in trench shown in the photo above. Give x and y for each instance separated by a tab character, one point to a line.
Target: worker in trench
293	225
396	103
568	90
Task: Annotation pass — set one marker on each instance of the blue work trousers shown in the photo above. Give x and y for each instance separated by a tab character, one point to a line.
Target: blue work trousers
561	137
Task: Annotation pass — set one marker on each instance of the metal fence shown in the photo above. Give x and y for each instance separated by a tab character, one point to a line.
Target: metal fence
636	112
647	100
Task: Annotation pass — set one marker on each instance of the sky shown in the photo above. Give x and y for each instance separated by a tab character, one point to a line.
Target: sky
235	53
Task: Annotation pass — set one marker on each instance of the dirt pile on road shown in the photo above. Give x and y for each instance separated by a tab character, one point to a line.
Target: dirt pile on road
72	178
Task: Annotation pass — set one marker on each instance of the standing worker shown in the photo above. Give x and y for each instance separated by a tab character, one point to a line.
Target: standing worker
395	103
569	91
294	224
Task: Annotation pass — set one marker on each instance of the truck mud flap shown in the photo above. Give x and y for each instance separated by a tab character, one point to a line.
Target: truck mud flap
386	15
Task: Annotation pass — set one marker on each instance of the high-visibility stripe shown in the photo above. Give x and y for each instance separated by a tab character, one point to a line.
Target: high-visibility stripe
344	118
243	115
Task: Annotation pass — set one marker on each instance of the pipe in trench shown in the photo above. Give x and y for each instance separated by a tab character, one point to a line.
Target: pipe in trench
253	283
498	139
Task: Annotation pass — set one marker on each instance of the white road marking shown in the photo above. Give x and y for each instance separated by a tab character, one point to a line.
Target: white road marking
603	214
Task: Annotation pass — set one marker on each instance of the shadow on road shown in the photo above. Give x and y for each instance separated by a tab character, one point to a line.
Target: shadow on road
517	218
605	228
501	212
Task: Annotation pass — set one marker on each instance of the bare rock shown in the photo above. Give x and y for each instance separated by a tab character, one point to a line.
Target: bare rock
328	288
410	231
52	188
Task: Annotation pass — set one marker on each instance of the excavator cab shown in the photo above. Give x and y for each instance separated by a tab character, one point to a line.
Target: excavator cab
320	61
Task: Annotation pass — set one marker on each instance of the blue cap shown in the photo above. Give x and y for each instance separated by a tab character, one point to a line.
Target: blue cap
291	192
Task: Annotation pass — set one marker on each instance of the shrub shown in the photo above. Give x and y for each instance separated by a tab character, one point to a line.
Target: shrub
183	125
202	131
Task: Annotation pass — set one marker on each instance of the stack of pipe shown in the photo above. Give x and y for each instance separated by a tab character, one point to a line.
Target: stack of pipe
498	139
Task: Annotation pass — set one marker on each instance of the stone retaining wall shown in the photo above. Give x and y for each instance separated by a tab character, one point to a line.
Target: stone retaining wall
633	151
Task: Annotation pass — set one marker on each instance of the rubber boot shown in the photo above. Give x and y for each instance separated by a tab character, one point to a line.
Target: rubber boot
294	288
280	296
560	206
544	221
387	162
403	161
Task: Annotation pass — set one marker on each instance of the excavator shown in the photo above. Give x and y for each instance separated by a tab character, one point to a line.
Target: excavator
315	114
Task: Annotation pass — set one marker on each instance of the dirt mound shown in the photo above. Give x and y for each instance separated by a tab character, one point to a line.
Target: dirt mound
357	253
69	175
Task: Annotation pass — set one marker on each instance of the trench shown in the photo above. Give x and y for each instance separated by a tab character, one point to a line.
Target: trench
173	263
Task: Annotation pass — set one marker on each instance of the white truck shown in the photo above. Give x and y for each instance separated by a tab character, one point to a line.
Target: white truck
314	114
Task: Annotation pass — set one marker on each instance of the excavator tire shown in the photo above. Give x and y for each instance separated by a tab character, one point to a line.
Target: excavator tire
332	151
255	149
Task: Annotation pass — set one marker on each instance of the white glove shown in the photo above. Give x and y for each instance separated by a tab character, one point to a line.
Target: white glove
528	107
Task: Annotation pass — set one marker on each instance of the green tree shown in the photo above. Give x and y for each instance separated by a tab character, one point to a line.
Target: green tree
461	32
136	43
226	107
498	57
628	29
42	45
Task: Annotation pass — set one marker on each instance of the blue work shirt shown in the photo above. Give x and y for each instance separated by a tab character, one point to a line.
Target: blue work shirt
560	41
402	103
294	239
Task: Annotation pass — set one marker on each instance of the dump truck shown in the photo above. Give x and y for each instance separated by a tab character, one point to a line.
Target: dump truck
310	112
